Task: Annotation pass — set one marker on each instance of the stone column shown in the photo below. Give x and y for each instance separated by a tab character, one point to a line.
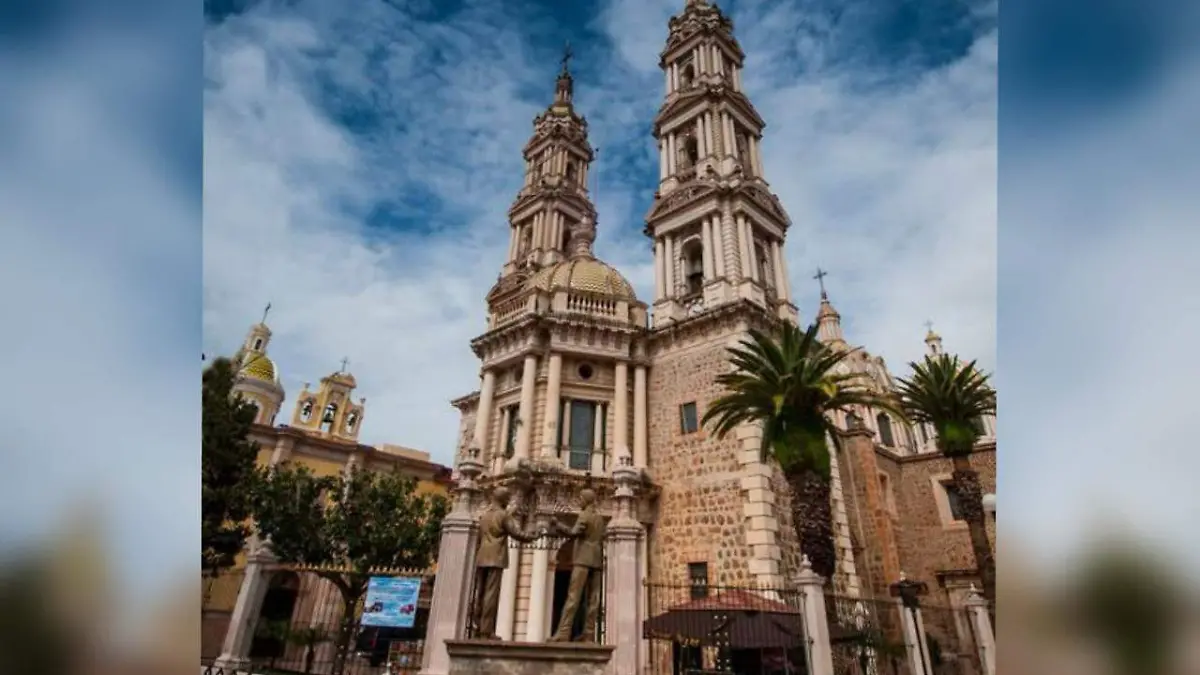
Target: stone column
811	588
706	241
235	652
785	290
748	271
662	159
718	241
667	75
621	411
912	624
525	411
553	392
535	625
623	620
660	270
669	262
777	263
981	624
701	151
506	612
451	600
672	151
709	139
735	266
639	416
282	451
483	413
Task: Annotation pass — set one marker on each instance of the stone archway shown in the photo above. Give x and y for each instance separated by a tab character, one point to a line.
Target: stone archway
279	603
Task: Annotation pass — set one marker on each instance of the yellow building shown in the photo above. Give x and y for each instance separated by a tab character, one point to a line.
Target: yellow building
322	435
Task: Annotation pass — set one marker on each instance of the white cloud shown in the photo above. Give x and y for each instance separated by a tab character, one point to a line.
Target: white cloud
892	191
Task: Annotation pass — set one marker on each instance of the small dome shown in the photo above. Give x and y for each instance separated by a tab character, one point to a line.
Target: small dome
585	275
259	367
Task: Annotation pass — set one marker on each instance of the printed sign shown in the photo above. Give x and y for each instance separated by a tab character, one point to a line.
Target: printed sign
391	602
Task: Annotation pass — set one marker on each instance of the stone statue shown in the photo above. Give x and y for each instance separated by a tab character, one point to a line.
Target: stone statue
589	533
496	525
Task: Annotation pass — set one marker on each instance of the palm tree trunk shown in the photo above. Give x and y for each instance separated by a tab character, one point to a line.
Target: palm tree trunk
812	518
966	481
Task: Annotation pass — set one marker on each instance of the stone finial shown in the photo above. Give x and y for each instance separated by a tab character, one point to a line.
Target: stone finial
583	235
805	564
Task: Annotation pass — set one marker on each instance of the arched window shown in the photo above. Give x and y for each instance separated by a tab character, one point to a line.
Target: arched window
257	344
686	74
327	418
257	409
526	240
351	421
885	430
566	239
691	150
693	266
306	410
764	266
571	172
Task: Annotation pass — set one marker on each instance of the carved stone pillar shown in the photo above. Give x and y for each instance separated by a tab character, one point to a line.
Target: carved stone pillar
623	606
455	571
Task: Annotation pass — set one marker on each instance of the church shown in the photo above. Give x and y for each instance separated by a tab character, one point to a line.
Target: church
580	376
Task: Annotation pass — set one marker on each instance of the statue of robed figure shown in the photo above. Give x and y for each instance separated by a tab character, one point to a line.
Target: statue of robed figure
589	533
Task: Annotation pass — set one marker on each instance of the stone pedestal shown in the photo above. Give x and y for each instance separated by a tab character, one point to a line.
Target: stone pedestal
239	635
981	624
816	622
455	573
487	657
623	604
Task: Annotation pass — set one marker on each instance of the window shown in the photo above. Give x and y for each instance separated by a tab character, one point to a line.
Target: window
257	344
510	434
979	426
924	436
885	486
686	75
327	418
693	266
764	266
582	438
885	430
954	499
585	372
688	422
571	172
692	150
698	579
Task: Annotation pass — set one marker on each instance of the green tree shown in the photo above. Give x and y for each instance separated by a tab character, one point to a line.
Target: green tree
952	397
347	526
227	462
786	383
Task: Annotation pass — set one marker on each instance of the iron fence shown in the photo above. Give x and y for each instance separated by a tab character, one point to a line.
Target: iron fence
695	628
304	627
950	640
866	635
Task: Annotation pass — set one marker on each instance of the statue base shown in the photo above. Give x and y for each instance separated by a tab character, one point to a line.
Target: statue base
490	657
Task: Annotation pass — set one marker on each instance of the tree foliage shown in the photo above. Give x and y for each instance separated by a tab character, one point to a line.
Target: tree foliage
348	525
951	397
786	382
227	468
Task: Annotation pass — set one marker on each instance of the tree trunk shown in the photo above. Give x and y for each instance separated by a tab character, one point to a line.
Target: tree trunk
966	481
812	518
345	632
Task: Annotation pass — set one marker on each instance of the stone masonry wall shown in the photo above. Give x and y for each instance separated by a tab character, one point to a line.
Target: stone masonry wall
928	545
871	520
700	515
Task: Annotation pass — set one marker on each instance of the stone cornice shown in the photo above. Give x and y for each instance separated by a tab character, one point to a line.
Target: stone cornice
981	448
737	311
300	437
699	189
714	94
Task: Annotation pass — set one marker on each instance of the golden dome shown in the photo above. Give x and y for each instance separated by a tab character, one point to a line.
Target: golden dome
259	367
585	275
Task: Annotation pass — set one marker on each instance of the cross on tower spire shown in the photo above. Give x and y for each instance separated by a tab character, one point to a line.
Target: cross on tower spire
345	362
566	57
265	310
820	277
929	325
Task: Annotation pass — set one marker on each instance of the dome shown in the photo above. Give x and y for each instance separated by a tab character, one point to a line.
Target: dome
584	275
259	367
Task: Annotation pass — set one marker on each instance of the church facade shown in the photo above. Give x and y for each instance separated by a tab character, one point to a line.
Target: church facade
580	376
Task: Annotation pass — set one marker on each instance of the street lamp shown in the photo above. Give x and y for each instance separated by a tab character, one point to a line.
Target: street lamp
989	504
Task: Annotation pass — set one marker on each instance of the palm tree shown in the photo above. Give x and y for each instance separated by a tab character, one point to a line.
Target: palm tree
787	385
952	397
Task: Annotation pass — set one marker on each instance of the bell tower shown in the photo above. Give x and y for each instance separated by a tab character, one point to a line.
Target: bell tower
554	195
329	411
718	230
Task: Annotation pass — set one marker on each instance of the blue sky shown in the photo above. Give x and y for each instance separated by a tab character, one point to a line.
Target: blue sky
357	155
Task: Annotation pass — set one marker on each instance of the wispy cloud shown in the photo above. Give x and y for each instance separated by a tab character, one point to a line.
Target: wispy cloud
359	164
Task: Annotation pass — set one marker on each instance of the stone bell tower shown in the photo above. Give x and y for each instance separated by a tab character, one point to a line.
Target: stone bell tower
718	234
